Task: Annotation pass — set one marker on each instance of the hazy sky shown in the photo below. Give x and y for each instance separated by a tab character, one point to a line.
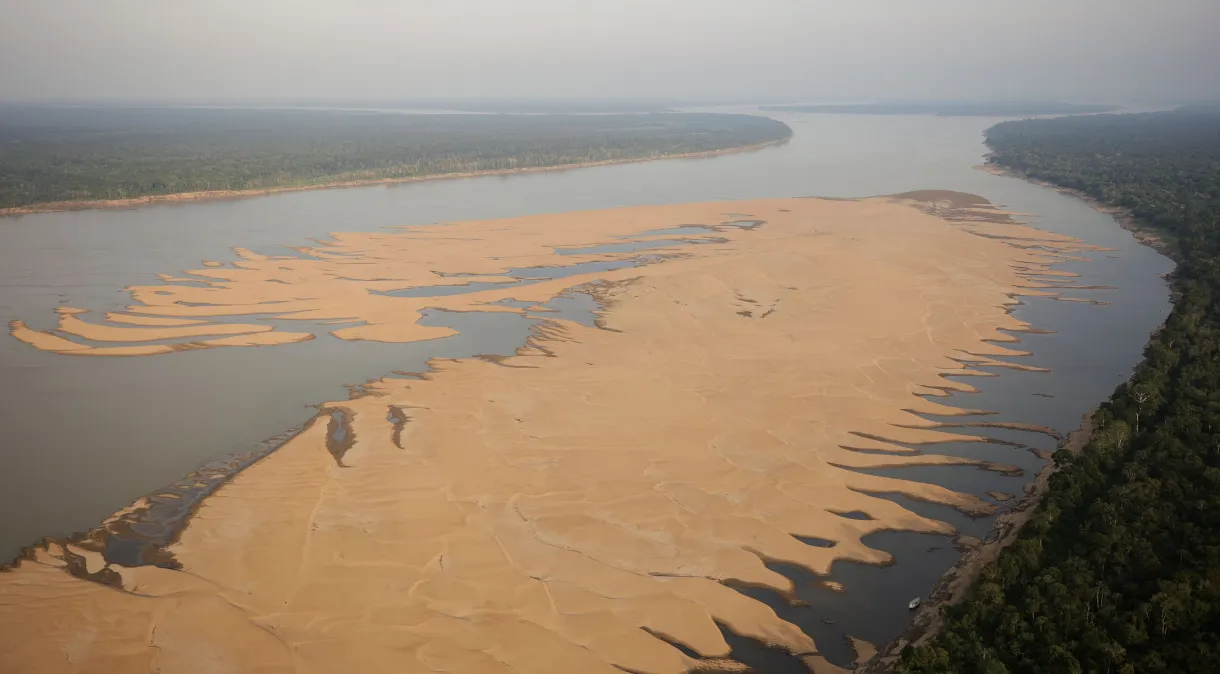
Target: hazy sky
1119	50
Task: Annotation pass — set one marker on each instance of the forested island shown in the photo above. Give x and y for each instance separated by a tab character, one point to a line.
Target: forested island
80	154
1119	568
949	108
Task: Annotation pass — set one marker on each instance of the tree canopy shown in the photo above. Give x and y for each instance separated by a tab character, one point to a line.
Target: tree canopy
50	154
948	108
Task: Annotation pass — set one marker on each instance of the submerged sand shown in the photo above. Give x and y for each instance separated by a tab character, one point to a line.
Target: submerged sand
575	507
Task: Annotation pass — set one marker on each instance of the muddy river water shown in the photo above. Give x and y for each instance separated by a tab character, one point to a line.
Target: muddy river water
84	437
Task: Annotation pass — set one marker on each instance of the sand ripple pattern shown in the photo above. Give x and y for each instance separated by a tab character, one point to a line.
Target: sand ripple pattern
582	505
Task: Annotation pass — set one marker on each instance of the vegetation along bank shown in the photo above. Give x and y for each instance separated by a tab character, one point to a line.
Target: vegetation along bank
1118	570
77	156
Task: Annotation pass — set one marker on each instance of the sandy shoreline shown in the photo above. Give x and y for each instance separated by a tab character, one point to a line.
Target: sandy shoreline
179	197
553	510
956	583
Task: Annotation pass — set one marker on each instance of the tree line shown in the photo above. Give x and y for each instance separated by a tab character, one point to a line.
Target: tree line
52	154
948	108
1119	568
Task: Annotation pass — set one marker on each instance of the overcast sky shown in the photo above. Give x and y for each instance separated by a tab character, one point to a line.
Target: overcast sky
1112	50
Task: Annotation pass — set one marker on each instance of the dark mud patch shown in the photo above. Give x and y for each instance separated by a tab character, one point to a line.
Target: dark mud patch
398	419
339	434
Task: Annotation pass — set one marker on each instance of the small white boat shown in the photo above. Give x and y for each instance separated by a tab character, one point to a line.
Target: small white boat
914	604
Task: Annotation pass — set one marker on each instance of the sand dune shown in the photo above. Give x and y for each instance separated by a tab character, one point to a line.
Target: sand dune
576	506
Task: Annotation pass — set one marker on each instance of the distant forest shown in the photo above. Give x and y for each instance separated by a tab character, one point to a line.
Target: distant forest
50	154
1119	568
948	108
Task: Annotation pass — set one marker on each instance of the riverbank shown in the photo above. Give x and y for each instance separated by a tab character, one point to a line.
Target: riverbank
1097	579
370	541
956	583
183	197
1148	236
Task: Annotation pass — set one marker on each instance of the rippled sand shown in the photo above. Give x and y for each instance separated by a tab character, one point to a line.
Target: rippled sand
577	506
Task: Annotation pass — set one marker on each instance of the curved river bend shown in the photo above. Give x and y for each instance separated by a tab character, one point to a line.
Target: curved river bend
84	437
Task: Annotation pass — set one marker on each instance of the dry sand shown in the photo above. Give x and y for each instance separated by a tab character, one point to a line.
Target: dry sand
553	511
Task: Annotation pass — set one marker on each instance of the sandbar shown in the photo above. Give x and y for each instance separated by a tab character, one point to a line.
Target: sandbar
562	509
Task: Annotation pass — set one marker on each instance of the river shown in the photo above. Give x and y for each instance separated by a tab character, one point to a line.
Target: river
84	437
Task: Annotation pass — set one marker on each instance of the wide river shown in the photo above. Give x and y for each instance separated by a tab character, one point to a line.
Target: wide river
84	437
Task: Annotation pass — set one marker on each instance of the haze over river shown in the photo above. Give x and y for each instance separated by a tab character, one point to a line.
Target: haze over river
84	437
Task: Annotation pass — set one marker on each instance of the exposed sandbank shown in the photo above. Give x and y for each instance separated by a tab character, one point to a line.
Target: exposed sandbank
209	195
954	586
553	511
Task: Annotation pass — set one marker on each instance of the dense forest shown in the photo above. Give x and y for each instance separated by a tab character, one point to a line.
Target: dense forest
948	108
1119	568
507	105
52	154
